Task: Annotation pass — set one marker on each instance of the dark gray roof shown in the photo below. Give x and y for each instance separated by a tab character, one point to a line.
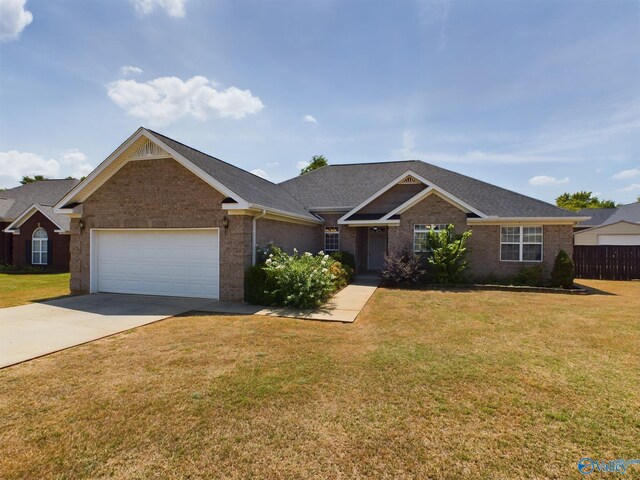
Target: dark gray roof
16	200
349	185
598	216
250	187
607	216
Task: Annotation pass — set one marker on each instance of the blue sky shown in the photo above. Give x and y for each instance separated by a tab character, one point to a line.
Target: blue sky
537	96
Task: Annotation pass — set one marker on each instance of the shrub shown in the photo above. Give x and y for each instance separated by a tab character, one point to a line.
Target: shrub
345	258
534	276
563	271
255	286
342	274
303	281
446	255
403	269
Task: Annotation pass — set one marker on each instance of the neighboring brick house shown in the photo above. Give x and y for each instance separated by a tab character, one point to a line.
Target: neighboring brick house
158	217
31	233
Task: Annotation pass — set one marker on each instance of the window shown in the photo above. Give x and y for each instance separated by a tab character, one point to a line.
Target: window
521	244
420	234
331	239
39	247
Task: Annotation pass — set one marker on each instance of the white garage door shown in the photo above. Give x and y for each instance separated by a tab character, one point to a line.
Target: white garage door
181	263
618	239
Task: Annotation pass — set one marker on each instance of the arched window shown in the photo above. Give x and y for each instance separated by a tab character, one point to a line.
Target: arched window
39	247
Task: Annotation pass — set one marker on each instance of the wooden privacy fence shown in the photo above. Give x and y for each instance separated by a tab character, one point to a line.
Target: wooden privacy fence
607	262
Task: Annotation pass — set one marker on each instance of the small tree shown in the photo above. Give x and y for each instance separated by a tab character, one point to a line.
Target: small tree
27	179
563	271
579	200
317	161
446	254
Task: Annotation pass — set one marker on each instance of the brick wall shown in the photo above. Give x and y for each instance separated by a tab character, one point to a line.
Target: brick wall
347	234
162	194
431	210
305	238
484	250
392	198
59	244
484	244
5	243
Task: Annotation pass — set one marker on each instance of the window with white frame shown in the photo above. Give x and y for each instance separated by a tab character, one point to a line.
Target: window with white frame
331	239
39	247
521	244
420	232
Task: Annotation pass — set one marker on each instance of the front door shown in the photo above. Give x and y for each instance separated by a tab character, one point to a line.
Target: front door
377	247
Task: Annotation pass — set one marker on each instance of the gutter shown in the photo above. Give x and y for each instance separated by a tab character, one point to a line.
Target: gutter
254	236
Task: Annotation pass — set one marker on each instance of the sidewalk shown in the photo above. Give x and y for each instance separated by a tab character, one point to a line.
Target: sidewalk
344	307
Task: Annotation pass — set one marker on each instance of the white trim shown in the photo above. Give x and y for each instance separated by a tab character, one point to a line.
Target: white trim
433	189
39	241
388	186
370	223
230	207
141	132
526	220
93	245
330	209
607	225
521	244
324	238
427	230
254	236
26	215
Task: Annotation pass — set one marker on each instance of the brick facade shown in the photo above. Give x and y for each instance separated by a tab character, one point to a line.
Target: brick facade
162	194
484	250
58	245
305	238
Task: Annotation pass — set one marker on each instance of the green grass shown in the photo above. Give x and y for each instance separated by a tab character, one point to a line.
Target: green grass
425	384
21	288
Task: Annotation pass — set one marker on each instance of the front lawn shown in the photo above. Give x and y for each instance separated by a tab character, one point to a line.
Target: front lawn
20	288
425	384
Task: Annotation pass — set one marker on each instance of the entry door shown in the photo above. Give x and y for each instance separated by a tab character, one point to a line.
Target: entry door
377	247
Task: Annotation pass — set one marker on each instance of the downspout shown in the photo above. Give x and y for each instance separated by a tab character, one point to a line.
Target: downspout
254	236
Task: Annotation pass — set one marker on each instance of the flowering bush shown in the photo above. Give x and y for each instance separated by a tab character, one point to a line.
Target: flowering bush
303	281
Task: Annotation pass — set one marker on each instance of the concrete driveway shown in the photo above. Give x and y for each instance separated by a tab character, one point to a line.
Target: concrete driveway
30	331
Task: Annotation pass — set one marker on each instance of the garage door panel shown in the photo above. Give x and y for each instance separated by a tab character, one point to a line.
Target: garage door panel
167	262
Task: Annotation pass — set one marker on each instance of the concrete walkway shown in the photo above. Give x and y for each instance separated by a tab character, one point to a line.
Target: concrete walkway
344	307
30	331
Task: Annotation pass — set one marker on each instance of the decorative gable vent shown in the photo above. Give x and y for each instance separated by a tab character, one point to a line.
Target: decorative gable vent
149	151
409	180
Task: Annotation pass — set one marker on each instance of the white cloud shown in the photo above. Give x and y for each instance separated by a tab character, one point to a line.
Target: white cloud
301	165
129	70
173	8
166	99
545	181
309	119
14	165
630	188
623	175
260	173
273	164
13	19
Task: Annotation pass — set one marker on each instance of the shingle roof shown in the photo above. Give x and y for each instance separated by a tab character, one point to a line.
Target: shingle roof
606	216
250	187
16	200
349	185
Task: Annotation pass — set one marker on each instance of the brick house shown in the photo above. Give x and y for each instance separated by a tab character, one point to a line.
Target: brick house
158	217
31	233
